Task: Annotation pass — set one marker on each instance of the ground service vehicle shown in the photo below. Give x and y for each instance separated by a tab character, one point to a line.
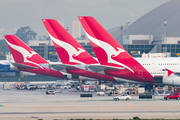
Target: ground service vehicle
41	86
31	87
173	96
50	91
6	86
122	97
100	93
66	87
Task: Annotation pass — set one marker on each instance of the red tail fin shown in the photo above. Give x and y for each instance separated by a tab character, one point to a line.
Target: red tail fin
110	52
21	52
28	58
68	49
106	48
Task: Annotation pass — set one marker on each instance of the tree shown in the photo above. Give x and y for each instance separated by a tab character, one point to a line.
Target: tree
83	37
26	34
3	46
46	38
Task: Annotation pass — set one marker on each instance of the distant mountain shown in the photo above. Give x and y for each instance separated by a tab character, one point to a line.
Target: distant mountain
152	23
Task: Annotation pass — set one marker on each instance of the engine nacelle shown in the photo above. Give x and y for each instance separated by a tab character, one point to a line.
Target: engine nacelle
174	80
171	80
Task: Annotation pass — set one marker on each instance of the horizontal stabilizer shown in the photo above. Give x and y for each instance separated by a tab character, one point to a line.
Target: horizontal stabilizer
24	66
101	68
61	67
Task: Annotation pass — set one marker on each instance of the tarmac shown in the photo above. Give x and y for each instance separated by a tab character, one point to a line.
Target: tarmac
33	105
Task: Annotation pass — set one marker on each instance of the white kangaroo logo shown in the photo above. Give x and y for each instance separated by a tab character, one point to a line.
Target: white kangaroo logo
118	52
26	54
78	52
72	52
32	53
111	52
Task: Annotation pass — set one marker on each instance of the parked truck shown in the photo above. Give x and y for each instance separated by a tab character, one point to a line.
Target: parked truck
6	86
100	93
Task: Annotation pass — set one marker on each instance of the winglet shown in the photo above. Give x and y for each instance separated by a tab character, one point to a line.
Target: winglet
68	49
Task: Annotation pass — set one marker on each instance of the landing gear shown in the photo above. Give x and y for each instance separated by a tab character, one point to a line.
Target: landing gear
148	86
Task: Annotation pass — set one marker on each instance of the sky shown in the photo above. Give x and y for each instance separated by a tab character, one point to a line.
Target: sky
109	13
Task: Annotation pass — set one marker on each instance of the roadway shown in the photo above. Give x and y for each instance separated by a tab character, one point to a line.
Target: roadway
30	105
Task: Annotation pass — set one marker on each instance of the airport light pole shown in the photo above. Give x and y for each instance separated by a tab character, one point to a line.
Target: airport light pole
165	31
127	34
121	28
165	38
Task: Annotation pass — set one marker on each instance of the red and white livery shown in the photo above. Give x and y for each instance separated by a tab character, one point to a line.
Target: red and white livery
111	54
28	60
71	53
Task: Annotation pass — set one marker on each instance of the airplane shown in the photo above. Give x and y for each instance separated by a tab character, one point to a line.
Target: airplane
7	69
26	59
111	54
73	56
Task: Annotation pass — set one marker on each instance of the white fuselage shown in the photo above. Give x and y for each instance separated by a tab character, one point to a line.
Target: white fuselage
157	67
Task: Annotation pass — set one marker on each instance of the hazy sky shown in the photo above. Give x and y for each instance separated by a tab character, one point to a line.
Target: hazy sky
110	13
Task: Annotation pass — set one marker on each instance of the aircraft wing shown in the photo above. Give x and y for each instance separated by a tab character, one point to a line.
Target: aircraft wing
24	66
101	68
178	74
61	67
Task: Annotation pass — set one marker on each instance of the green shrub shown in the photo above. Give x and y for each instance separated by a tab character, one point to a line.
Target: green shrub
136	118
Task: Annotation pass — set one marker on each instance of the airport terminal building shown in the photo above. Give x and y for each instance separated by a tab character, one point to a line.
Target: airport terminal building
47	50
136	48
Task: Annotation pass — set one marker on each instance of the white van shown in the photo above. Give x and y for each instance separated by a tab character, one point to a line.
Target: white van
6	86
31	87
